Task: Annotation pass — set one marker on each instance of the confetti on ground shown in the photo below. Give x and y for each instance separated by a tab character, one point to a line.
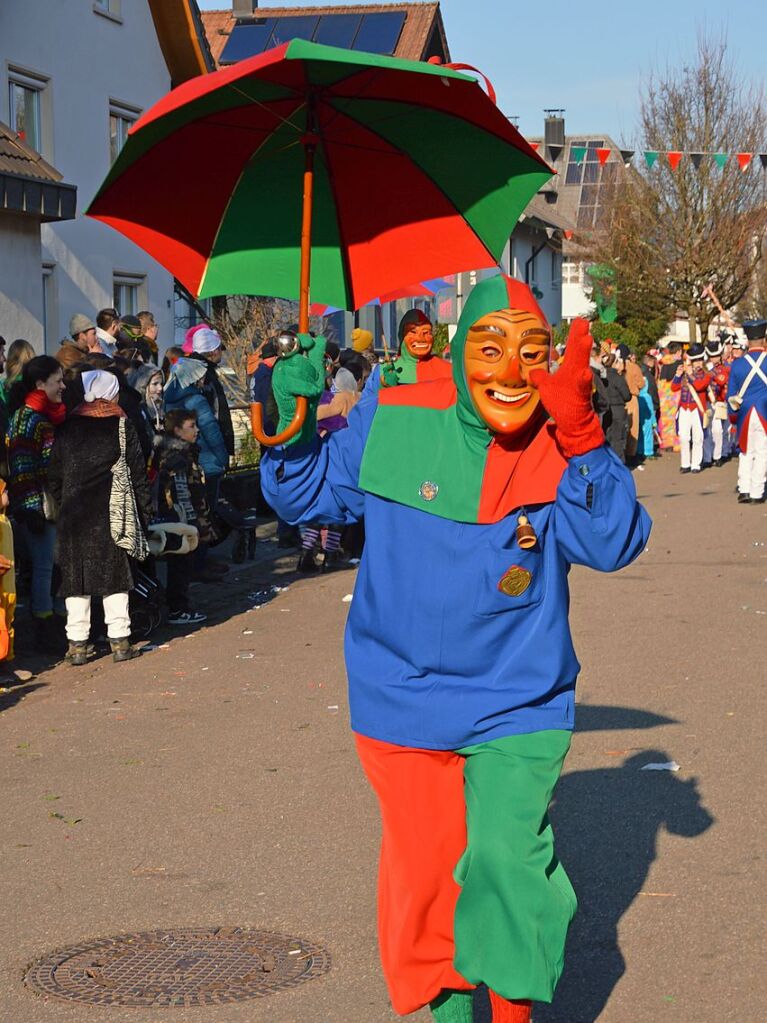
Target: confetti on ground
333	706
671	765
246	655
659	895
347	599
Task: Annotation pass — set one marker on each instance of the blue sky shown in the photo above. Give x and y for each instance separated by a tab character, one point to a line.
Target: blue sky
588	57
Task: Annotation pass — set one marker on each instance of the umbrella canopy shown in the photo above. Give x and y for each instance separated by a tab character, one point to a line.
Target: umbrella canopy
416	173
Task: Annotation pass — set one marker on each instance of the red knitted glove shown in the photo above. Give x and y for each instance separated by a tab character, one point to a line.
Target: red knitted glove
566	395
509	1012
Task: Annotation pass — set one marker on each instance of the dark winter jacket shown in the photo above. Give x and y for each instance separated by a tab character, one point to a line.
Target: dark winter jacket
80	480
214	457
612	388
151	417
216	396
180	485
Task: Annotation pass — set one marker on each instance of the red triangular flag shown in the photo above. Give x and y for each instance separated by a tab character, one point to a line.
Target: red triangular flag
568	234
604	155
744	159
673	158
535	145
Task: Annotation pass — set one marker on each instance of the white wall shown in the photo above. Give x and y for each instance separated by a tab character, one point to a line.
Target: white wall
545	273
21	291
575	302
89	60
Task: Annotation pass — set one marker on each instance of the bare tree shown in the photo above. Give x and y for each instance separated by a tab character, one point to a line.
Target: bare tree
670	234
245	322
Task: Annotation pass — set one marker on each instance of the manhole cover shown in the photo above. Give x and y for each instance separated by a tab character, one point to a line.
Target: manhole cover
210	966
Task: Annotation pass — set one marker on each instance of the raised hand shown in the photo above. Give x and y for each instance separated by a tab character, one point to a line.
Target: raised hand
566	394
389	375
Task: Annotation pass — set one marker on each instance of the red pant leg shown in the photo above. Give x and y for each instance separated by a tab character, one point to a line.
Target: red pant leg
424	835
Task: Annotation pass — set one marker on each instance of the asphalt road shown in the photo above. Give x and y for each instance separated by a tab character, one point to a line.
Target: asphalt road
210	786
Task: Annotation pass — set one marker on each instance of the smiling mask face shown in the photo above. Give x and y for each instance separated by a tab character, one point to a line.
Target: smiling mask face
501	349
419	340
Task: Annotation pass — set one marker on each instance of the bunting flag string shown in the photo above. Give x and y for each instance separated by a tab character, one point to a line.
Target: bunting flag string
673	157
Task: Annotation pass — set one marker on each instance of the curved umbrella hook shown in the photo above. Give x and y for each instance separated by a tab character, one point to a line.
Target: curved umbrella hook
295	424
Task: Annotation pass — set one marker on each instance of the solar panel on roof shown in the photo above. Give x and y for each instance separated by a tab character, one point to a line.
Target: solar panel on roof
248	39
379	33
301	27
337	29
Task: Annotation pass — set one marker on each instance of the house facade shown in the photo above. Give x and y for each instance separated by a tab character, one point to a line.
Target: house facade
74	76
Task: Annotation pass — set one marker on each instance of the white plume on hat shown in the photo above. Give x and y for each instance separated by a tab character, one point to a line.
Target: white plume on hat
98	383
205	340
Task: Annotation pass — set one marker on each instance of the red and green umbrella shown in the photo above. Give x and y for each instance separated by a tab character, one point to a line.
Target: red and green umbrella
416	173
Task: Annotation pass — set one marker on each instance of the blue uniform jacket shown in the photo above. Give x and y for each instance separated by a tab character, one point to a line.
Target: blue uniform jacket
755	398
462	662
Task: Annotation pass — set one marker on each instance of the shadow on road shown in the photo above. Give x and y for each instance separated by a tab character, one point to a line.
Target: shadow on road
17	694
607	823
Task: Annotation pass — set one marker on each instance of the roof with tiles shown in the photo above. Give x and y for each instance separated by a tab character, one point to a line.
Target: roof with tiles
19	159
423	34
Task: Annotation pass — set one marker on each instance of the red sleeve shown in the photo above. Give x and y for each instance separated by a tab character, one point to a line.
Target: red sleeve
702	384
676	384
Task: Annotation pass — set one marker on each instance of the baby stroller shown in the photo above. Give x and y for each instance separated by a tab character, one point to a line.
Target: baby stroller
145	603
225	519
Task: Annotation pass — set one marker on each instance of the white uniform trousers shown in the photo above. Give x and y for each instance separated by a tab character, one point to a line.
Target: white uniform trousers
690	431
752	466
116	617
719	429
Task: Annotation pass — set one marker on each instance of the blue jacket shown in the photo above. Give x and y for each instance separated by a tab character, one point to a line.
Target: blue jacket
755	397
214	457
462	663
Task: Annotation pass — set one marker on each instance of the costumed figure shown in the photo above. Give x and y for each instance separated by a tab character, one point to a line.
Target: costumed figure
720	375
670	362
463	713
613	396
747	399
691	383
415	362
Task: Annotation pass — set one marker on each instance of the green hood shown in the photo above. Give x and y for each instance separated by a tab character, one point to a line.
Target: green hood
428	447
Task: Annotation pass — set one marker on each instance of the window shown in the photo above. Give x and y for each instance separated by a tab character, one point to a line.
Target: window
121	118
27	108
111	8
572	272
129	293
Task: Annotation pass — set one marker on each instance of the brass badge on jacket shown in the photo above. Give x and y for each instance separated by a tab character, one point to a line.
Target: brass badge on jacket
515	581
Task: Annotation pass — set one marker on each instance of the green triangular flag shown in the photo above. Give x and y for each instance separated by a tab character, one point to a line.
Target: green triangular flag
577	153
721	159
650	156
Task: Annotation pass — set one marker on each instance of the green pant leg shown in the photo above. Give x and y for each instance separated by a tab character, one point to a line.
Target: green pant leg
516	902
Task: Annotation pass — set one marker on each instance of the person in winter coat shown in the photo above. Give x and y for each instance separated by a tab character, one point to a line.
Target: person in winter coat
206	347
36	410
180	499
613	397
80	479
185	389
147	379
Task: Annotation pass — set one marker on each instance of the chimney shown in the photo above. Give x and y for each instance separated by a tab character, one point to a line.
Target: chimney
244	8
553	134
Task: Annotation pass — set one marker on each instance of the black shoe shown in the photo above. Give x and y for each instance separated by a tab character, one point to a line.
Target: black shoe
288	540
333	561
718	462
306	563
757	500
685	470
695	470
744	499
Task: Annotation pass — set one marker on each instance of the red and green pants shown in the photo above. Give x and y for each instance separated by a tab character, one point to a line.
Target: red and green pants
470	889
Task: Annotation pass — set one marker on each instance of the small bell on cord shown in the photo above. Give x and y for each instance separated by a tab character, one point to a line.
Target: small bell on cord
526	536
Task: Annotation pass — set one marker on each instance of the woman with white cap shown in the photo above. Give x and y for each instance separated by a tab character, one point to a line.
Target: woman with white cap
80	479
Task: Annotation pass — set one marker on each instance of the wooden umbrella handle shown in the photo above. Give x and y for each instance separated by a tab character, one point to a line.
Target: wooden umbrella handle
293	427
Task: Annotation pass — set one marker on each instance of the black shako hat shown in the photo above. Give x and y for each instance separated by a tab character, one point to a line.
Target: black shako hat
695	352
755	330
